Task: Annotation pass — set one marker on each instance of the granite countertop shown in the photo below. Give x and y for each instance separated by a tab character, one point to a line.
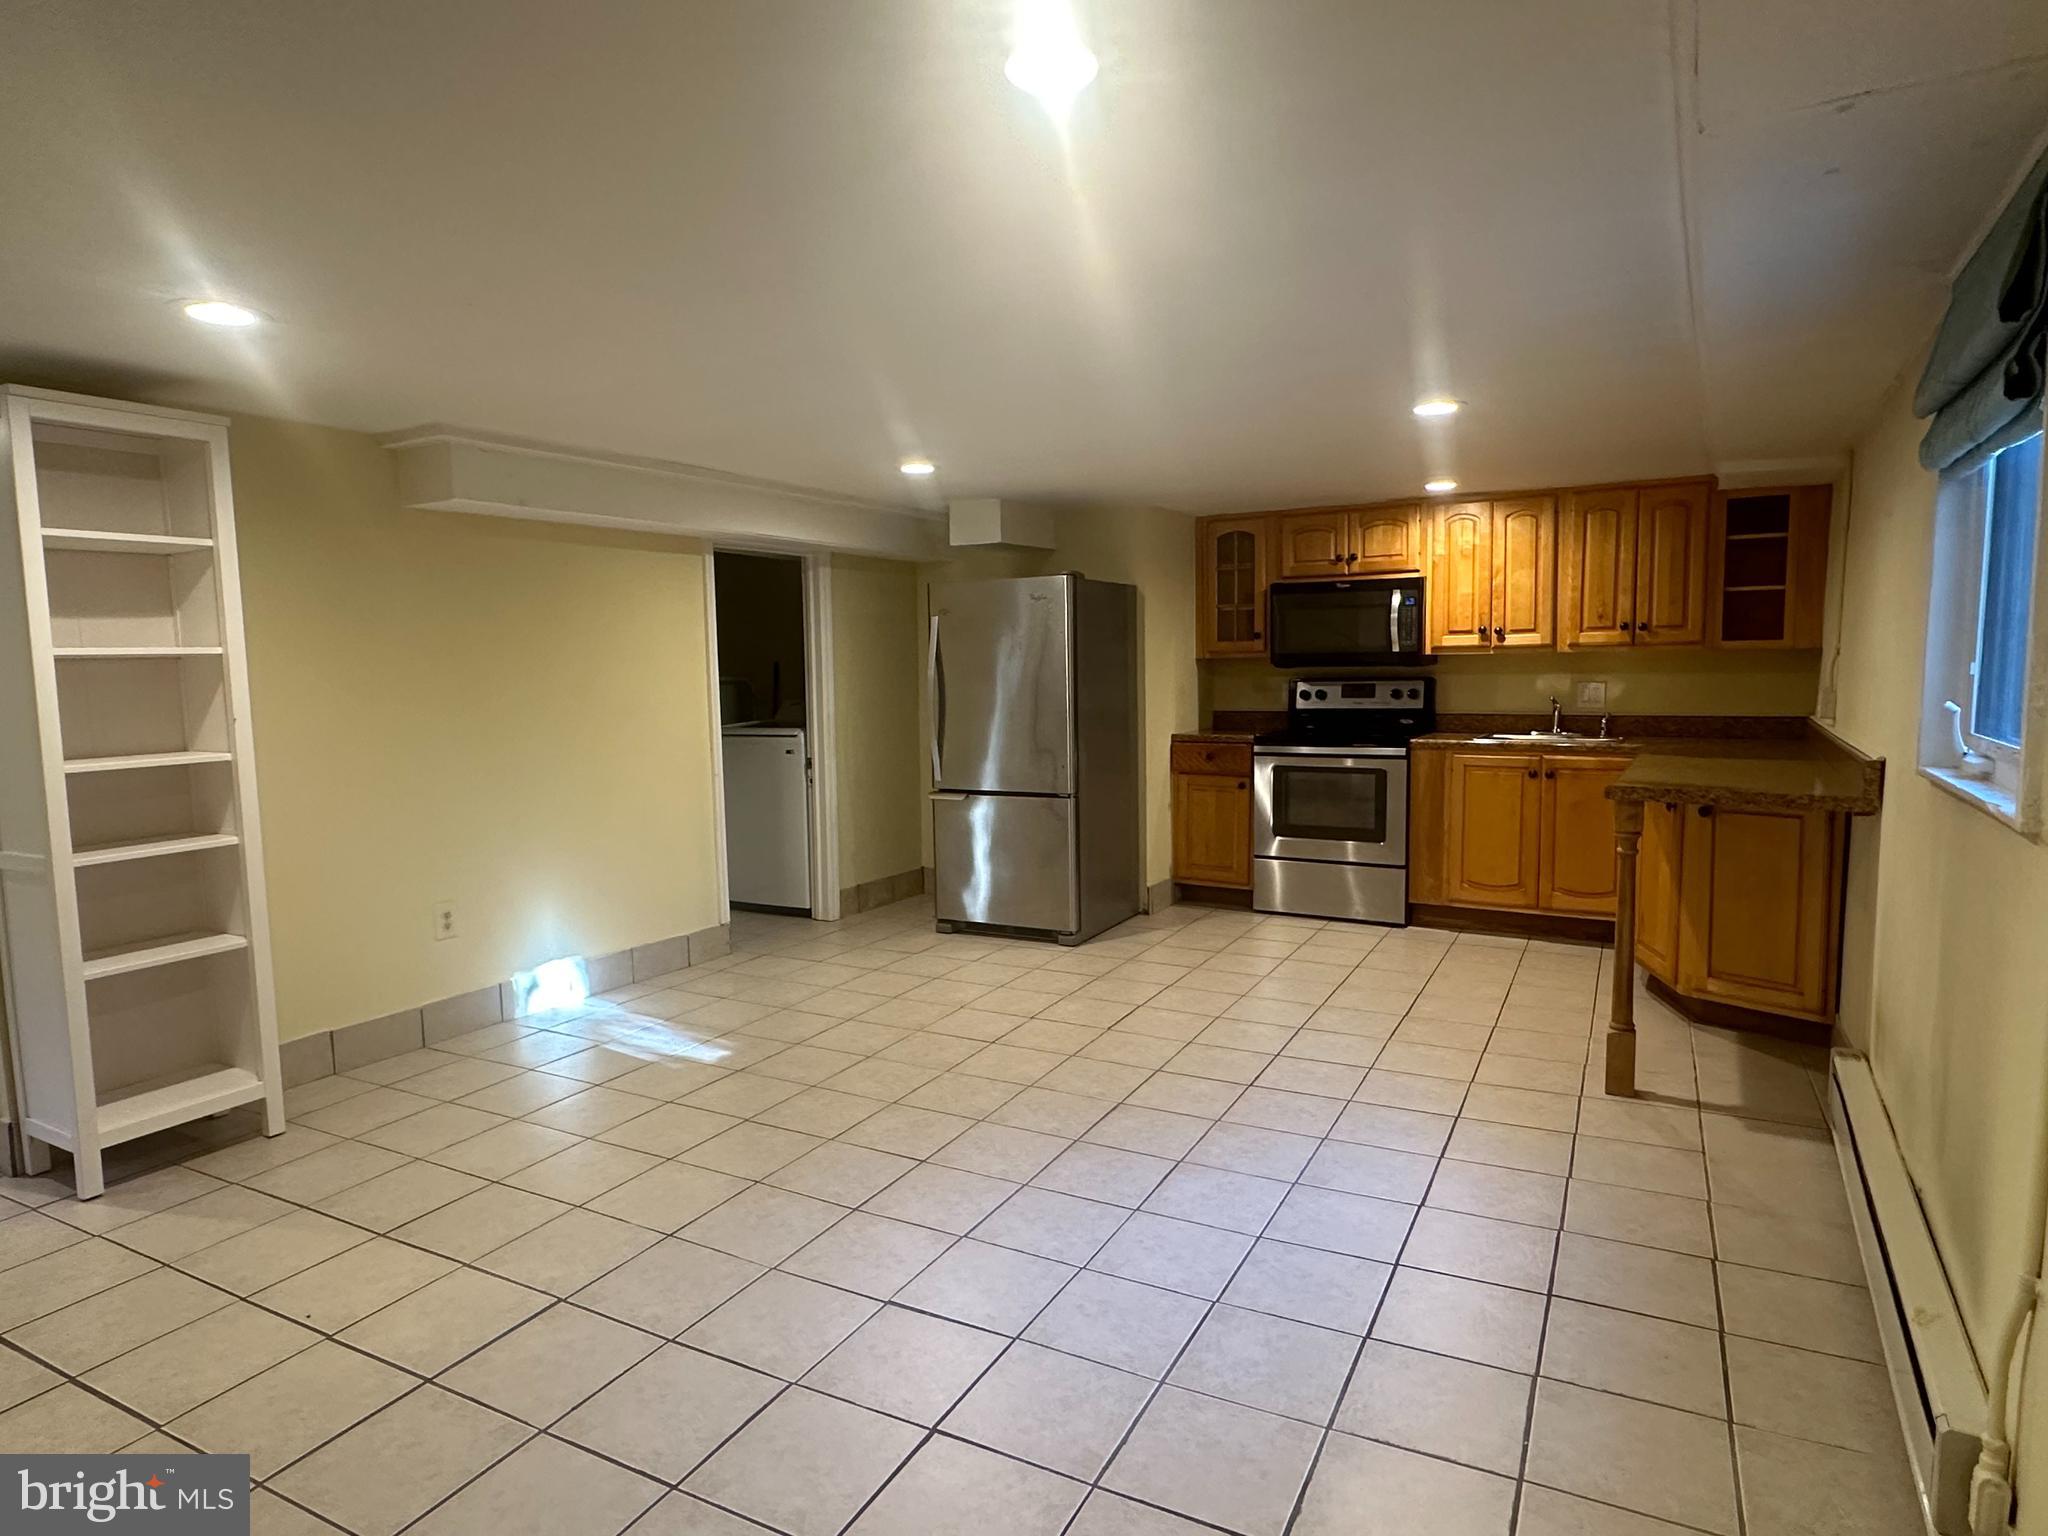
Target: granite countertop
1231	738
1813	772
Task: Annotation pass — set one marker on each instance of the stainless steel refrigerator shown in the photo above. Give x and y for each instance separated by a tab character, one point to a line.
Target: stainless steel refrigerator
1036	806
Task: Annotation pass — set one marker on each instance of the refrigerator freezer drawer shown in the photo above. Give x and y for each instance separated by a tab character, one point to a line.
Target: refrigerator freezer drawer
1005	860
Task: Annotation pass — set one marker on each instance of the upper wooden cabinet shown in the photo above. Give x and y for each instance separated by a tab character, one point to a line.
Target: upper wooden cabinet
1633	566
1492	574
1525	572
1387	540
1769	551
1230	584
1347	541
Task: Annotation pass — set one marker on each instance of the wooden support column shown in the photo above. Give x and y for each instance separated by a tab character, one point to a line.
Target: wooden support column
1621	1020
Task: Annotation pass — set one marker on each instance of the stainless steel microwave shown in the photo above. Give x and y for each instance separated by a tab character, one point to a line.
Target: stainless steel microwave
1365	621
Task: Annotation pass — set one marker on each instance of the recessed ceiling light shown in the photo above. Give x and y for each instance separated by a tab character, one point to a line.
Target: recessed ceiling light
220	312
1047	58
1438	487
918	467
1439	406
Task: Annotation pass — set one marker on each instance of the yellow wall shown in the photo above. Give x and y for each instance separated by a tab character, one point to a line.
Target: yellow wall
1674	682
508	715
877	676
1945	971
1153	549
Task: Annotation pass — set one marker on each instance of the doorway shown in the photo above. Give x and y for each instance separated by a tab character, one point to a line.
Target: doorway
771	665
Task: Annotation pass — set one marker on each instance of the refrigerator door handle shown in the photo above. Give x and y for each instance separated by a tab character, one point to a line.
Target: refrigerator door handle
935	670
946	794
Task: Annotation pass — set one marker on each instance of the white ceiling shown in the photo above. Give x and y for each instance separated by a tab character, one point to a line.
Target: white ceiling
798	239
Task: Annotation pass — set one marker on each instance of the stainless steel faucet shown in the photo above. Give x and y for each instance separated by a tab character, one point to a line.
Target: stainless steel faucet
1605	722
1556	715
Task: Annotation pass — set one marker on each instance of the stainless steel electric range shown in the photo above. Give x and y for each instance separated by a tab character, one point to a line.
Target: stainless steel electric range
1330	798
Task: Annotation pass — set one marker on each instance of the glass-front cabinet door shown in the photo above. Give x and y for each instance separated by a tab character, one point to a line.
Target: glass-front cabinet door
1232	567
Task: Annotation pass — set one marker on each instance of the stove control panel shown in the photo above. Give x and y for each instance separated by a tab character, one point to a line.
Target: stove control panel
1400	693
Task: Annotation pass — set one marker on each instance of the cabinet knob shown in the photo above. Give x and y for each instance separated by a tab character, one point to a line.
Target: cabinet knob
1349	558
1240	784
1704	810
1532	773
1626	625
1550	773
1499	633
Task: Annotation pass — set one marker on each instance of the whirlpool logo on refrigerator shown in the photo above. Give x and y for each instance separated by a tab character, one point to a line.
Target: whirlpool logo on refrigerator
163	1496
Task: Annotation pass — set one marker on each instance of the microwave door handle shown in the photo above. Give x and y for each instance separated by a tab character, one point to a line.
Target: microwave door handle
1393	620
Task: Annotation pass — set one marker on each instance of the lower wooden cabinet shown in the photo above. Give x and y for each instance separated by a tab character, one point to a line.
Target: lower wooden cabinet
1578	834
1212	814
1757	910
1495	828
1732	906
1657	892
1531	833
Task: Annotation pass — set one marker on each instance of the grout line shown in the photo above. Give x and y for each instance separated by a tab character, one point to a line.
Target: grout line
992	956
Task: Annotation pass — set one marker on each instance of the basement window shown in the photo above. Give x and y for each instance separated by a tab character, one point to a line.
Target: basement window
1984	656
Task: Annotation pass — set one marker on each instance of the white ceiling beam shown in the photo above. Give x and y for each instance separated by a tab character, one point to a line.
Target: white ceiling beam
446	469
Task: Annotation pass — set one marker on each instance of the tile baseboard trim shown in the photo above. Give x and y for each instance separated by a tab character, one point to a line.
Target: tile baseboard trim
1159	895
882	892
348	1046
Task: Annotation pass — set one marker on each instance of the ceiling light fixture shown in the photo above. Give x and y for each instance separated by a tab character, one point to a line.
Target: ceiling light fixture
1047	58
1438	487
1441	406
918	468
220	312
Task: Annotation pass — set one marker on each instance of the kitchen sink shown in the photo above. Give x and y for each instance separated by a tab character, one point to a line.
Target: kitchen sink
1544	739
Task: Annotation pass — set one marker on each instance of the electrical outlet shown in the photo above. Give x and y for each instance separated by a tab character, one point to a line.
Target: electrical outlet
1591	695
444	920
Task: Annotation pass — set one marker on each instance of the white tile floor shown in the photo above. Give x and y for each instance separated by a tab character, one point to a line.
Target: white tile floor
1220	1221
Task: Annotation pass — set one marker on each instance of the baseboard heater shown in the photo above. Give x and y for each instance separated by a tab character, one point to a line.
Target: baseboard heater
1935	1380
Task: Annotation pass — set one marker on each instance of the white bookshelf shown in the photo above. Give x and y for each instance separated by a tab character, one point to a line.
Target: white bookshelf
131	870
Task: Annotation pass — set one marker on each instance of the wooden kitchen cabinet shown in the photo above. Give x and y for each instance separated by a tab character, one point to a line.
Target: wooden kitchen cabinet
1524	573
1523	831
1347	541
1387	540
1757	917
1492	574
1578	864
1459	596
1768	550
1671	563
1314	543
1231	563
1657	893
1494	843
1212	813
1632	567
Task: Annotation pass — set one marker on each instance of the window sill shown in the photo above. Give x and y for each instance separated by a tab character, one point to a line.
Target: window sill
2000	805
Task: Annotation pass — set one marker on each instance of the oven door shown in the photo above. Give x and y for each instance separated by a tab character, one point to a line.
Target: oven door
1346	805
1364	622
